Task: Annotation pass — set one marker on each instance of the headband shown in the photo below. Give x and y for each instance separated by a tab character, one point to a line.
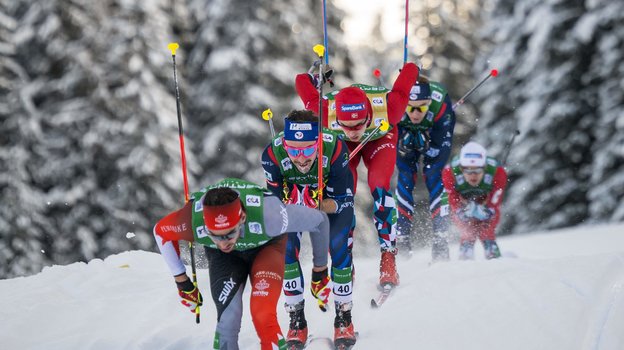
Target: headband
223	217
300	131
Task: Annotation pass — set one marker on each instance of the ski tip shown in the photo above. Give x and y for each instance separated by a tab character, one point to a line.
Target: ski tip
374	304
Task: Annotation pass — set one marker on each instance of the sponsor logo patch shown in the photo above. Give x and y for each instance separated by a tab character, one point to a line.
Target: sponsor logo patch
227	289
252	200
255	227
286	164
202	232
300	126
352	107
436	95
198	206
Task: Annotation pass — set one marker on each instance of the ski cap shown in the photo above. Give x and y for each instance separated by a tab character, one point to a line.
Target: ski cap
420	92
223	217
352	104
472	155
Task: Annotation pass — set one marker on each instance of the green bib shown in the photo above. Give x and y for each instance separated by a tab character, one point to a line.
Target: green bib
483	188
252	197
438	94
289	170
377	98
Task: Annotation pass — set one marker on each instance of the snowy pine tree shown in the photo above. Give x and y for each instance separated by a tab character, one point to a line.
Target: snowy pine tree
89	144
561	86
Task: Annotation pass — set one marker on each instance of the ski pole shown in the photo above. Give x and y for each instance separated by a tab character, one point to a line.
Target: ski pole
383	127
508	147
320	51
493	73
173	47
405	40
326	54
268	116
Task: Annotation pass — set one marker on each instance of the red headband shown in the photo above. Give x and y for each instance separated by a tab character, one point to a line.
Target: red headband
223	217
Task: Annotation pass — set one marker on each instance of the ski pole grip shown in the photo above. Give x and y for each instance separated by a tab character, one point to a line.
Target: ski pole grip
319	50
267	114
173	47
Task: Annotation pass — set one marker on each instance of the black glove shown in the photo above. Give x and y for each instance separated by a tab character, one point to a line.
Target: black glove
328	73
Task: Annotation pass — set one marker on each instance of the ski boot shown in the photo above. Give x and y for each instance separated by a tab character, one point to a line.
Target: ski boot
298	328
466	250
491	249
344	335
439	248
387	268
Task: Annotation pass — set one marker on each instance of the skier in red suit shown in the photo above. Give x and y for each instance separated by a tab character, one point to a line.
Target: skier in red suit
354	112
475	184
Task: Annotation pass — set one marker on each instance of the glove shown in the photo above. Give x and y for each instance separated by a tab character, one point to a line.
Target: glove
421	141
189	295
405	144
321	288
432	152
328	72
476	211
481	212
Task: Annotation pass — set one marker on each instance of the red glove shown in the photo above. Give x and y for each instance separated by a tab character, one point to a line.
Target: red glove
321	288
189	295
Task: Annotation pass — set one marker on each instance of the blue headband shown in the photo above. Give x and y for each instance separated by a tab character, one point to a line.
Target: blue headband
420	92
300	131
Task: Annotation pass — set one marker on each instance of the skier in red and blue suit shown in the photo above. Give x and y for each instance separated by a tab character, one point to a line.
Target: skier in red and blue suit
290	165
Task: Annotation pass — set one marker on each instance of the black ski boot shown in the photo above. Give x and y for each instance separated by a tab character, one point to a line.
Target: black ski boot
298	328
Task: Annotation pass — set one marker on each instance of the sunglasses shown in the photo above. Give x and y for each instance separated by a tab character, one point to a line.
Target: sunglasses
226	237
421	109
474	171
355	127
295	152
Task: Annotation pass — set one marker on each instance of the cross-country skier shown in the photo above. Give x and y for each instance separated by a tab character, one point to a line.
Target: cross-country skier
475	184
354	112
241	226
426	131
291	170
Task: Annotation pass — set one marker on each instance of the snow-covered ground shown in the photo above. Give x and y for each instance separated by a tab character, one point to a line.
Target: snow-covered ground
554	290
